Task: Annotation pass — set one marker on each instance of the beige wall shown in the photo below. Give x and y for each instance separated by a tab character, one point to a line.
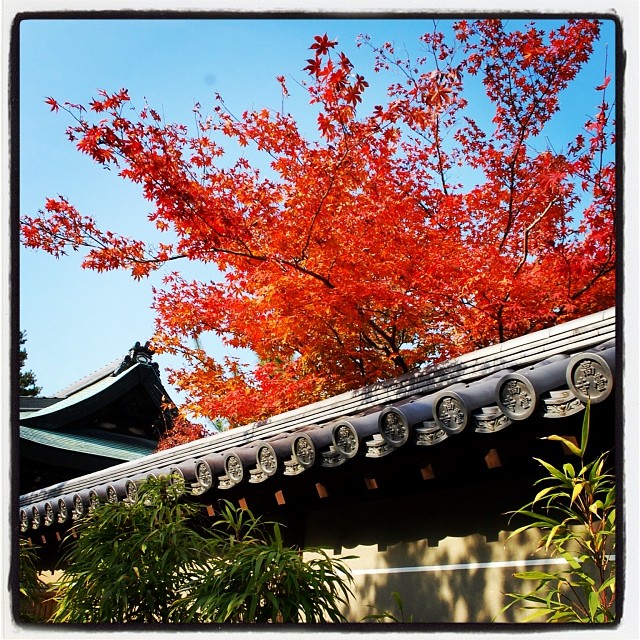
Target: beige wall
444	551
451	582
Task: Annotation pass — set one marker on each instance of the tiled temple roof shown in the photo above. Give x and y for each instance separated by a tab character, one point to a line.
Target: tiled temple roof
551	373
92	443
84	400
112	416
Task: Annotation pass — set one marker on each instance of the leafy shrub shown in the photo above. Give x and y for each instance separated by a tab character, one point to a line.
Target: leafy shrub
132	559
253	577
151	560
576	513
31	587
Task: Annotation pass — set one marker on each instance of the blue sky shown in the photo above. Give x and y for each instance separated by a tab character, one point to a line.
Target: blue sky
77	320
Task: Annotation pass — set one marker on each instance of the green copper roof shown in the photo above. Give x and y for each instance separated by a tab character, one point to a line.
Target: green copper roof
86	394
89	444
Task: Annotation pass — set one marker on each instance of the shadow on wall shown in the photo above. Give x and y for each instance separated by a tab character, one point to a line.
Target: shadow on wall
441	560
440	540
439	584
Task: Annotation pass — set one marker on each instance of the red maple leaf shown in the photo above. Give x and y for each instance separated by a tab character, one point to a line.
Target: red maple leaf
322	45
53	104
363	257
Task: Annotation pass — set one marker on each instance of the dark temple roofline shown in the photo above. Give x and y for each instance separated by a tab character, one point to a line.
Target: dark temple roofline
138	353
85	400
571	337
92	378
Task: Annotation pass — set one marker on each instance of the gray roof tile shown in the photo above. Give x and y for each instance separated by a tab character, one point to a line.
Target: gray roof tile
376	420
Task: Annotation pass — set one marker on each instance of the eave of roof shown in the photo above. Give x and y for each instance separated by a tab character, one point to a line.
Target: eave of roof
91	445
29	404
89	398
471	388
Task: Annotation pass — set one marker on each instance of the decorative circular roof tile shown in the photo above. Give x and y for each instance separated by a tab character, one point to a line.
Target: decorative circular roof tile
345	439
24	521
35	517
112	494
267	459
450	412
63	512
516	396
94	500
304	450
393	426
234	468
131	489
204	475
78	506
49	517
590	377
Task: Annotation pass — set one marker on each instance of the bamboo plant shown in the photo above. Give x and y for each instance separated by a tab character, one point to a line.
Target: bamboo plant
575	511
158	559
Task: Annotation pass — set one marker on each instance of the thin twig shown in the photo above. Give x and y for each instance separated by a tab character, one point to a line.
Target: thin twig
527	231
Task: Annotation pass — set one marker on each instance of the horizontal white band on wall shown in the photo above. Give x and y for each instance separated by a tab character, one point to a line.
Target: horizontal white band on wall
462	567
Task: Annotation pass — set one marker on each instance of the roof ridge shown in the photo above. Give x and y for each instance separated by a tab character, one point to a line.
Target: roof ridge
570	337
137	353
89	379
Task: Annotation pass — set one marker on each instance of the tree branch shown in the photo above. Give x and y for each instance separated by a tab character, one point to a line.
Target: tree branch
527	231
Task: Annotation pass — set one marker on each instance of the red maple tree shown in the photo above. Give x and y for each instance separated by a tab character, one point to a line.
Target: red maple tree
357	255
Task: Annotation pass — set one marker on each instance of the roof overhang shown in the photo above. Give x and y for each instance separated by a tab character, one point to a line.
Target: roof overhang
549	374
91	398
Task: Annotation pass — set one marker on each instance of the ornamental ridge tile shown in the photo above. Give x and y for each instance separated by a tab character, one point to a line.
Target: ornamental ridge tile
572	337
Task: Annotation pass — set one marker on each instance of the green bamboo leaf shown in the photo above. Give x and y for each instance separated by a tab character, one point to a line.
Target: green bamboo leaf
611	497
556	473
609	583
540	519
571	594
594	604
534	575
551	535
567	443
577	489
596	470
537	613
571	560
594	507
542	493
566	615
585	429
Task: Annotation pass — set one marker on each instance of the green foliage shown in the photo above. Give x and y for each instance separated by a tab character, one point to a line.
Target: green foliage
576	513
31	587
132	559
389	616
27	379
151	561
254	577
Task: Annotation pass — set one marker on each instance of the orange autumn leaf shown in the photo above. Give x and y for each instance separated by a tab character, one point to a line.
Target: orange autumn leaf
361	255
